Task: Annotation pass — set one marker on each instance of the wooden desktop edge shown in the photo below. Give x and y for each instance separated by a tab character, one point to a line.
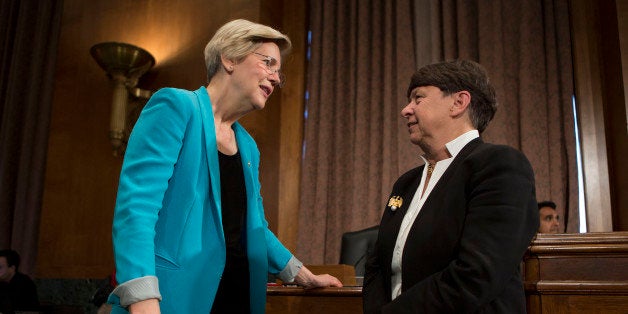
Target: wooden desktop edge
347	291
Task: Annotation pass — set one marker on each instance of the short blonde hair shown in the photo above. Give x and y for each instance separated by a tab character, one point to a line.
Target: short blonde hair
236	39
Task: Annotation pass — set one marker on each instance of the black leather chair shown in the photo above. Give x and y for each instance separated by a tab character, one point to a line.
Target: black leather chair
356	246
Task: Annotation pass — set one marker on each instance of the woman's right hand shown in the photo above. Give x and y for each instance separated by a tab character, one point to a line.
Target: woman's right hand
306	279
150	306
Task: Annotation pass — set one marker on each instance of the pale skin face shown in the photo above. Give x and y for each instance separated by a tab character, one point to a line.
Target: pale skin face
240	87
548	220
435	119
427	108
255	77
6	272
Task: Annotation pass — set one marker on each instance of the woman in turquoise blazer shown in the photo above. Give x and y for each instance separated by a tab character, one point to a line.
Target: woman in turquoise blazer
168	231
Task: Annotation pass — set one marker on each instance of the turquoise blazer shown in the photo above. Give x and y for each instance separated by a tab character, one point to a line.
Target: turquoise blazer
167	220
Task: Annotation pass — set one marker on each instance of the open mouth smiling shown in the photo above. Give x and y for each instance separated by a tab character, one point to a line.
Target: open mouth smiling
267	90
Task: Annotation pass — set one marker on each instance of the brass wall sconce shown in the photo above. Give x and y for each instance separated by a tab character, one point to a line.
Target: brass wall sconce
124	64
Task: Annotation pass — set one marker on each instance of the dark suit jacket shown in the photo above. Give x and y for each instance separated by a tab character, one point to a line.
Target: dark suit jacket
463	252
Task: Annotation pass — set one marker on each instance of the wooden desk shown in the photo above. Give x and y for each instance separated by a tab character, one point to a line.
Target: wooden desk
577	273
345	300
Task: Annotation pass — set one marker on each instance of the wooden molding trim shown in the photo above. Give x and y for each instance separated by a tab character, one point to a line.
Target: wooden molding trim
579	249
576	287
579	243
592	237
299	291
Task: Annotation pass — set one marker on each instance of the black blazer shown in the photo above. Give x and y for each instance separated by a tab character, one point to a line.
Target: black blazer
464	250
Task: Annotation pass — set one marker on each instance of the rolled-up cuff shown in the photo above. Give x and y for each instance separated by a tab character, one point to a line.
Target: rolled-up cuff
138	289
291	270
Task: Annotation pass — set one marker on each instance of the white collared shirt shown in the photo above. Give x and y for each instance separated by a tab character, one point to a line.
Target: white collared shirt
454	147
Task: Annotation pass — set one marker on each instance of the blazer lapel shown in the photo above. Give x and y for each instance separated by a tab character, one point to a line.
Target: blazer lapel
392	219
407	196
462	155
247	170
439	190
211	147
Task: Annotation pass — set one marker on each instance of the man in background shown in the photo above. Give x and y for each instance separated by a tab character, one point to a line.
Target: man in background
17	291
548	217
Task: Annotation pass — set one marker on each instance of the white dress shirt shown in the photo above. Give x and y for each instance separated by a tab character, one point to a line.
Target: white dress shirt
453	147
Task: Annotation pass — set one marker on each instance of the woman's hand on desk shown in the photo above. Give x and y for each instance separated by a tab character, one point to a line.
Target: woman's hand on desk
308	280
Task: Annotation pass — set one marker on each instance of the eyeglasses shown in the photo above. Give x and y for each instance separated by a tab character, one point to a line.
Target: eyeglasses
269	62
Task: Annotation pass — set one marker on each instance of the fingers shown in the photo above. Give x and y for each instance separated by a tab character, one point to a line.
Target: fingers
308	280
334	282
324	280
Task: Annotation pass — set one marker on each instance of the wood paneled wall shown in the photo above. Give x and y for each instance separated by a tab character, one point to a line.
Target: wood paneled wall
82	174
620	127
598	28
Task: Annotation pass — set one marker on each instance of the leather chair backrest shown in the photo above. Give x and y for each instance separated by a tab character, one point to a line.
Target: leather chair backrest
356	246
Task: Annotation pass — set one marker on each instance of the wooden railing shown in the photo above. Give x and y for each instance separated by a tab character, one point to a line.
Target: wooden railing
577	273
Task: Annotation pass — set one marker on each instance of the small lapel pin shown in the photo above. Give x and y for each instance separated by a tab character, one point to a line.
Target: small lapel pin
395	202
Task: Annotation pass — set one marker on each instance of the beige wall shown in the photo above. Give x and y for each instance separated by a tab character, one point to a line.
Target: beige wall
82	174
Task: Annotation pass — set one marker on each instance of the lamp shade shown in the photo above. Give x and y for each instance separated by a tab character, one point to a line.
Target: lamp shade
125	64
121	58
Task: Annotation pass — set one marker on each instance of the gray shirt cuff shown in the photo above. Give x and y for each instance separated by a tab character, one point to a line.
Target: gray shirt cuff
138	289
291	270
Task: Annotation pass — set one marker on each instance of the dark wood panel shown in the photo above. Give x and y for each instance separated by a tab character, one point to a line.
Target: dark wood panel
577	273
579	268
346	300
584	304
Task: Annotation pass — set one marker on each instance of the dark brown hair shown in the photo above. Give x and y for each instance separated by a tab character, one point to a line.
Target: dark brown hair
461	75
